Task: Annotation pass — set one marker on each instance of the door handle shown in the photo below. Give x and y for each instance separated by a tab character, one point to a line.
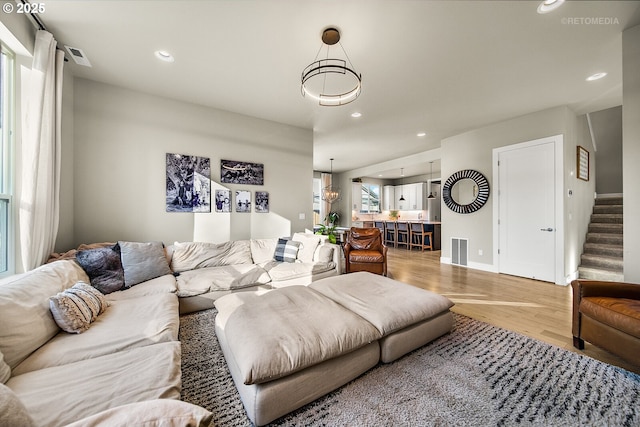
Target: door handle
546	229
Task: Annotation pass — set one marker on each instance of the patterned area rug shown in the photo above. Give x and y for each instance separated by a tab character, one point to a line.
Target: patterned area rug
478	375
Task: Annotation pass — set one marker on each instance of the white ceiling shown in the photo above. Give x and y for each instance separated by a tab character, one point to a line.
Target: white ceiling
443	67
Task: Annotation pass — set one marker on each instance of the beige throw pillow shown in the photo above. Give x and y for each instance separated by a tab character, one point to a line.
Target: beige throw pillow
75	308
5	370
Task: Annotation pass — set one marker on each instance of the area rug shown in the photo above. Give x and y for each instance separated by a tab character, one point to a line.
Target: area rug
478	375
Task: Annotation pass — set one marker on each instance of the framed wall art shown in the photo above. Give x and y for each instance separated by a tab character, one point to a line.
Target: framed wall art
188	183
223	200
262	201
235	172
243	201
583	163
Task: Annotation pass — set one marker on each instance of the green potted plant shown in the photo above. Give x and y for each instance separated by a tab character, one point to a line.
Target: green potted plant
394	215
329	231
332	218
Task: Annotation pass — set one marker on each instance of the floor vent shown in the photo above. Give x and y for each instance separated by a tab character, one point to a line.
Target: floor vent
459	251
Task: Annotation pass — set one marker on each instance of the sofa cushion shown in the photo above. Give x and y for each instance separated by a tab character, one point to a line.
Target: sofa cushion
12	410
284	331
63	394
160	285
286	250
75	308
27	322
279	271
391	305
194	255
262	250
622	314
308	245
150	413
142	261
104	267
228	277
365	255
324	253
127	324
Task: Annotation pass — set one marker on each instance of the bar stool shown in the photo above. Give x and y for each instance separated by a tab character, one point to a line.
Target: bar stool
390	233
418	234
403	234
380	226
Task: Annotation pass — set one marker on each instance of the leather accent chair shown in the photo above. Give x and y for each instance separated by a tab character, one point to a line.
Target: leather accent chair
607	314
365	251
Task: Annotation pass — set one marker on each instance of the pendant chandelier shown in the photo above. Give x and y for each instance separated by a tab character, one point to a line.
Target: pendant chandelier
330	81
331	194
430	196
402	191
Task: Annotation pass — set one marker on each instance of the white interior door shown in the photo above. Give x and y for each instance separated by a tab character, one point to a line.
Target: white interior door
527	211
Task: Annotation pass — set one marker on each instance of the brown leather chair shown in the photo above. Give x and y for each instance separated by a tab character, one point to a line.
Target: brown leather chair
607	314
364	251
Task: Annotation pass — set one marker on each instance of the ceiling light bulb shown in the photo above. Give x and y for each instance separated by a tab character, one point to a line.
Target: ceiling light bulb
549	6
163	55
596	76
356	115
421	134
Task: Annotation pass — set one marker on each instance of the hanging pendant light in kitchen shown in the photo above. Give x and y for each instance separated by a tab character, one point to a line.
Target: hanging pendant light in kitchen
430	196
401	194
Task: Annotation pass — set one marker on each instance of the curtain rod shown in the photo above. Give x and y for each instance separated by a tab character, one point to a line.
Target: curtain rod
34	17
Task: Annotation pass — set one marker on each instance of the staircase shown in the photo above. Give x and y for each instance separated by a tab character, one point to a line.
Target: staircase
602	258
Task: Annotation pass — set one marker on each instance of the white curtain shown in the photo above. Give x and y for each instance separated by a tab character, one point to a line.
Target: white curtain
41	140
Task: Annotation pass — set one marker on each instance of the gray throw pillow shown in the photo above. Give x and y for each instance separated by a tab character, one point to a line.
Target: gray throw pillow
104	268
286	250
142	262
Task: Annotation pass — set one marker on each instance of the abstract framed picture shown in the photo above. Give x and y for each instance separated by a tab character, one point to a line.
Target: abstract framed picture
188	183
262	201
243	201
223	200
235	172
583	163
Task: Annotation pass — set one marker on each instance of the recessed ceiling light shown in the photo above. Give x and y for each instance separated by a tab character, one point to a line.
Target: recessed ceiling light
356	115
421	134
596	76
163	55
549	5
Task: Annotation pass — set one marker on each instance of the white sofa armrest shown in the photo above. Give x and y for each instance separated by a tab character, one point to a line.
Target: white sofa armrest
338	255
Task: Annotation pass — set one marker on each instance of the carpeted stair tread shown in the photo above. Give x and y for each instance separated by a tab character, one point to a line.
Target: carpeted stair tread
609	201
605	238
589	273
606	218
603	249
608	209
605	262
602	227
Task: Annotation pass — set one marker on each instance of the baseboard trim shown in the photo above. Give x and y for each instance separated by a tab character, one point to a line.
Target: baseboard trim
473	265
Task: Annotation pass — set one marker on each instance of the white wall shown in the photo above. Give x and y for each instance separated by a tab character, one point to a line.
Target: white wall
631	151
120	141
473	150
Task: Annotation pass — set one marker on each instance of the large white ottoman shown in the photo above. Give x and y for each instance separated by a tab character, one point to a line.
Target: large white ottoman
289	346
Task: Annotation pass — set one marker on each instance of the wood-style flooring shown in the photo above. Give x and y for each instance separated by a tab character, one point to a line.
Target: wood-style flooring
537	309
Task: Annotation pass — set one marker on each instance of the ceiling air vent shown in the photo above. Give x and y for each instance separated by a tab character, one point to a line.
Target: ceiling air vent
78	56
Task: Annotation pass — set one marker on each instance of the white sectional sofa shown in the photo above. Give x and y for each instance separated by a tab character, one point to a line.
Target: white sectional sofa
129	354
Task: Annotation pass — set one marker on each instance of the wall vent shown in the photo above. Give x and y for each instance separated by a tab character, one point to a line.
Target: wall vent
459	251
78	56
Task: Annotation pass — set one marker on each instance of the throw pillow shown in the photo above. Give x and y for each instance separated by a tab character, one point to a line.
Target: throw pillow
142	262
75	308
286	250
309	243
104	268
325	254
5	370
12	410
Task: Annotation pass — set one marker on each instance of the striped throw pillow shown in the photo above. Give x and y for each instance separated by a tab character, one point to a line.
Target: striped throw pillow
75	308
286	250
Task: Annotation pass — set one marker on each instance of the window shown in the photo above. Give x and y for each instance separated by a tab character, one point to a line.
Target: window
6	99
370	198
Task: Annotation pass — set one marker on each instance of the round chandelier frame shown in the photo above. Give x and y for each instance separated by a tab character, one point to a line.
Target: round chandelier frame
320	69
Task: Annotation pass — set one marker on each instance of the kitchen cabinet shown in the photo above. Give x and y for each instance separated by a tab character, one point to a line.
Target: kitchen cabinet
414	197
356	196
389	198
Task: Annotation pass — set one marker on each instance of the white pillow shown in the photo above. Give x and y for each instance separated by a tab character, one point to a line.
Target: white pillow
308	245
75	308
142	261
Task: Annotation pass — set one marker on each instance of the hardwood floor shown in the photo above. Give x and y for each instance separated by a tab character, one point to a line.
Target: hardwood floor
537	309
